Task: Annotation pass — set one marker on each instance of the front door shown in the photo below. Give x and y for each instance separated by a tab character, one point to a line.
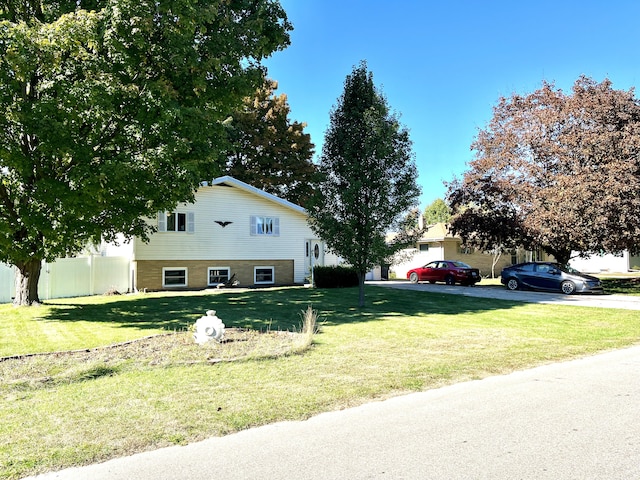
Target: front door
314	253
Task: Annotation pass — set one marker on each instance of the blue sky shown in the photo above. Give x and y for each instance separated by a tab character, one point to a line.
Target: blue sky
443	65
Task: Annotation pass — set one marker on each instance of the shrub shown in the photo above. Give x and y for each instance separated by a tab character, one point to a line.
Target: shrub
335	277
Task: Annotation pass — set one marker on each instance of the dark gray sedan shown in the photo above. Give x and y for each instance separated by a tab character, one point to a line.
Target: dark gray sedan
549	276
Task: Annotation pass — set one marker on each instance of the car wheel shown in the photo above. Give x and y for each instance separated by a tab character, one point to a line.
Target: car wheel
567	287
513	284
450	280
413	278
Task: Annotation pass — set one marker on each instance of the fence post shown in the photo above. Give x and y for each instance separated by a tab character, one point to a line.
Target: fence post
92	283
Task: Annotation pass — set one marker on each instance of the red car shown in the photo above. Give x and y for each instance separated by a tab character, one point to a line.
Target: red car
447	271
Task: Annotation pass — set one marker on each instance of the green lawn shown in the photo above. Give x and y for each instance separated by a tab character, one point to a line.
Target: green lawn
403	341
629	285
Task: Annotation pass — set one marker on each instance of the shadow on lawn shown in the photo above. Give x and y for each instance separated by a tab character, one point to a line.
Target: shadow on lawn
625	286
268	309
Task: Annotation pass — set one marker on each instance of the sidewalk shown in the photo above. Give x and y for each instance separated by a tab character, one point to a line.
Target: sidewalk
571	420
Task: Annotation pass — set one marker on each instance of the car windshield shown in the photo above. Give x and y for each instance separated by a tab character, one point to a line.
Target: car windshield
568	269
460	265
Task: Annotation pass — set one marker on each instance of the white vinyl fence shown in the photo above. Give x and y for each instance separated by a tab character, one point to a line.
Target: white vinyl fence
73	277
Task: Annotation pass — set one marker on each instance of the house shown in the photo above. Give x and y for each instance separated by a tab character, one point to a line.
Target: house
438	243
232	232
605	263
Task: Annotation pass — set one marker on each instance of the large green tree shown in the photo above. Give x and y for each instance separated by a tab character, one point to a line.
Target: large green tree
554	170
437	212
369	178
110	111
268	150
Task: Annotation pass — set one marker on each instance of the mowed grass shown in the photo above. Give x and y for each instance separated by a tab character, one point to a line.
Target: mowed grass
403	341
626	285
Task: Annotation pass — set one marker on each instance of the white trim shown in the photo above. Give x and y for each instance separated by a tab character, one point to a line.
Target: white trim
191	222
186	277
264	220
162	221
230	181
273	275
228	269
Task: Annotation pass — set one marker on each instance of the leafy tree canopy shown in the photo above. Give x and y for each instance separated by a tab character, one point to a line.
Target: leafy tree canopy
268	150
557	171
111	108
437	212
369	178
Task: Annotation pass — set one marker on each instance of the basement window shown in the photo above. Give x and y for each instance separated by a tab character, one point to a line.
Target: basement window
174	277
263	275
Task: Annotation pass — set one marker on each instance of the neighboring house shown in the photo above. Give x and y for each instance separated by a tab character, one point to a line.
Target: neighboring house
232	232
606	263
438	243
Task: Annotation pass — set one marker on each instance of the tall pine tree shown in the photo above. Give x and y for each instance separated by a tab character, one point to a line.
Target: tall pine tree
369	177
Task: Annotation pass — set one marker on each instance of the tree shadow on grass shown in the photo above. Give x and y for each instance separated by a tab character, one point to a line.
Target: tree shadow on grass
265	309
626	286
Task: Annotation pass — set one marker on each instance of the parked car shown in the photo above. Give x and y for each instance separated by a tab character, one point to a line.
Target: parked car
447	271
549	276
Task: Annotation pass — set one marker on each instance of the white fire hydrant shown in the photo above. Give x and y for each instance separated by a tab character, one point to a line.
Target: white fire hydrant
208	328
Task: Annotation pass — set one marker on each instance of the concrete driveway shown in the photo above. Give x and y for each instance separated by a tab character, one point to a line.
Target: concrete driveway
585	300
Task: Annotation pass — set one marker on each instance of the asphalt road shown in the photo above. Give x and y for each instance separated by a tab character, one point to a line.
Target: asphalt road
571	420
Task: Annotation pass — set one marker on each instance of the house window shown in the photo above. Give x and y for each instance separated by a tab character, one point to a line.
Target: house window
174	277
176	222
424	247
263	275
265	226
218	275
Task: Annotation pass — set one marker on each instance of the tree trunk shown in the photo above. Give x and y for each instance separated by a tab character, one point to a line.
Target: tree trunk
496	256
361	277
563	256
27	278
